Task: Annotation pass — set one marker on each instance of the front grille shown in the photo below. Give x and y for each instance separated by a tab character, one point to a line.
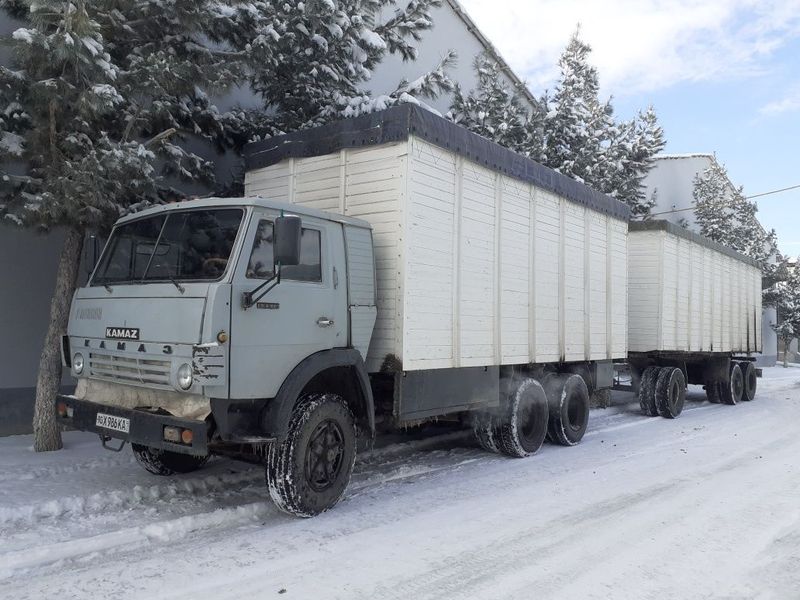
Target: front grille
128	369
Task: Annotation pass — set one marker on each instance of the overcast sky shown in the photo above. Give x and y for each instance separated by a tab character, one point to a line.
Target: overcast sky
723	75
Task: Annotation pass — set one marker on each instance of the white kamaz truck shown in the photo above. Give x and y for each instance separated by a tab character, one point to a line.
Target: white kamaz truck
382	272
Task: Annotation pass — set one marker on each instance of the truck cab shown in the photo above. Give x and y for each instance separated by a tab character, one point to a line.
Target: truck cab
212	326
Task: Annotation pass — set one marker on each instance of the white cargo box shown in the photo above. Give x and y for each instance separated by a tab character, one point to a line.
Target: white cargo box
687	293
483	257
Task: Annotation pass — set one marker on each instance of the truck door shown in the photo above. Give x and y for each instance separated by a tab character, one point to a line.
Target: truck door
305	313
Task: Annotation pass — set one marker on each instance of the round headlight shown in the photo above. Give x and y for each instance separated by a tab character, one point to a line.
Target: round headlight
185	376
77	363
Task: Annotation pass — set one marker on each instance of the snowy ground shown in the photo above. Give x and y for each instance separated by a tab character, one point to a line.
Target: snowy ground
706	506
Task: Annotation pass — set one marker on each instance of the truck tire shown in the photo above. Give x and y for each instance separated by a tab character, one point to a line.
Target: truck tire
647	391
484	430
164	462
731	392
670	392
524	425
568	400
750	380
309	470
713	392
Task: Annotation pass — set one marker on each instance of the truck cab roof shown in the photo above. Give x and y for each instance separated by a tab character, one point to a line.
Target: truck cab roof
255	201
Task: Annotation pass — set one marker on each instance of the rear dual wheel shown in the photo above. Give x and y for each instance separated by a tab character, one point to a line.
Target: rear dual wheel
750	380
662	391
519	429
568	399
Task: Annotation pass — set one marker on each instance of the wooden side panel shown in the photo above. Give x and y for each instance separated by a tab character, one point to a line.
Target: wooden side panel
707	303
670	278
428	269
574	314
618	292
599	304
270	182
547	268
645	262
696	304
316	182
477	300
515	270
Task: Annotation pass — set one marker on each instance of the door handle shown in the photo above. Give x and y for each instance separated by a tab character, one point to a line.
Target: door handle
324	322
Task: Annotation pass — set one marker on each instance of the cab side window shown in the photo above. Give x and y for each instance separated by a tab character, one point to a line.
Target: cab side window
262	261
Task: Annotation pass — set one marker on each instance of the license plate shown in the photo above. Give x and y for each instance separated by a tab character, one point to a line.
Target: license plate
111	422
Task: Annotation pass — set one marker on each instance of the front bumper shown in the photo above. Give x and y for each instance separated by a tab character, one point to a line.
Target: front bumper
146	428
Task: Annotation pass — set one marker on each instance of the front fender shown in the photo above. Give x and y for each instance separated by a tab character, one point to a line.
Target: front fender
278	411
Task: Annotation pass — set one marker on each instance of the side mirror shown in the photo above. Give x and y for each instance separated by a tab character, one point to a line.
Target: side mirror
286	242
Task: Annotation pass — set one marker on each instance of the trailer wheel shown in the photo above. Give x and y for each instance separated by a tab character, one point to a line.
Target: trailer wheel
647	391
732	392
309	470
568	399
750	380
164	462
670	392
713	391
524	425
483	428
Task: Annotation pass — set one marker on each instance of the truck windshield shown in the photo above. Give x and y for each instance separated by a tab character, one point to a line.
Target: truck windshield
183	245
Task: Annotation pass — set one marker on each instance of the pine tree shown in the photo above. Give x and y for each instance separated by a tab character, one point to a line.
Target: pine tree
310	60
98	94
725	215
784	295
103	95
630	156
493	110
570	130
713	214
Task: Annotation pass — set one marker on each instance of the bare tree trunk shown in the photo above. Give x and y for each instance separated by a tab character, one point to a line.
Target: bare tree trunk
46	435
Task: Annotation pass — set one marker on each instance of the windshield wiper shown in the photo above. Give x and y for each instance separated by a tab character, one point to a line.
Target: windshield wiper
109	289
181	289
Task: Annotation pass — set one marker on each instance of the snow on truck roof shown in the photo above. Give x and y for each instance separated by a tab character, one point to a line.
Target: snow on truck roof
674	229
398	124
293	209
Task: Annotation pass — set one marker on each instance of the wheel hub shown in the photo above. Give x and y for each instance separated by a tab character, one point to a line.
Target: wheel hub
324	455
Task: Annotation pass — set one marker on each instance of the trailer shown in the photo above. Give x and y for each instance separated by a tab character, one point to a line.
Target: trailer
694	311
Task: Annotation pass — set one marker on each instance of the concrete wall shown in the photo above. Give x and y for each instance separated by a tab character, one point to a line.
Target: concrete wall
672	177
28	263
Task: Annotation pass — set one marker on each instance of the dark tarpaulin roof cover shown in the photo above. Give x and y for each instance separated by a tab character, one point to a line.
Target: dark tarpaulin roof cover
398	123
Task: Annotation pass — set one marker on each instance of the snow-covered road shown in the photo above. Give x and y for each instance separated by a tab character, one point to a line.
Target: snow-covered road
706	506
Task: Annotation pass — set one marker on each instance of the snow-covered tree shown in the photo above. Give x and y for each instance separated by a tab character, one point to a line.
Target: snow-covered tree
495	111
102	95
784	295
570	130
310	60
99	94
725	215
629	157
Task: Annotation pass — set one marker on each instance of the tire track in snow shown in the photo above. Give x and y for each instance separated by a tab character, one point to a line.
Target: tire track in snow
461	575
372	471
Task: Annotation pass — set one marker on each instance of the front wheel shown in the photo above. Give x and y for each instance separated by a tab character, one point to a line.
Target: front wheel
309	470
164	462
